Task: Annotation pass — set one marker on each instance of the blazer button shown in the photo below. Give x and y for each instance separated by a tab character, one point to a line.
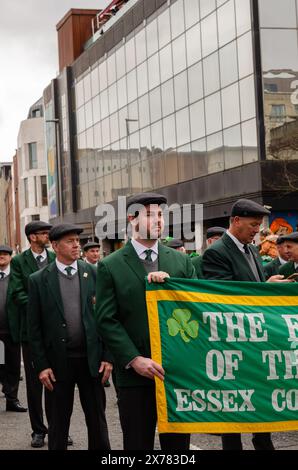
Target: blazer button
63	340
64	325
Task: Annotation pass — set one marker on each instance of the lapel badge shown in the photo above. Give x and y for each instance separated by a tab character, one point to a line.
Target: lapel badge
85	275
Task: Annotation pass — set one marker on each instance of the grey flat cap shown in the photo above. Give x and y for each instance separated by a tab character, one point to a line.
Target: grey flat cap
59	231
6	249
213	231
247	208
37	226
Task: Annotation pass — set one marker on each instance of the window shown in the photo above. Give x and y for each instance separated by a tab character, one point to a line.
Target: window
270	87
32	155
278	110
35	217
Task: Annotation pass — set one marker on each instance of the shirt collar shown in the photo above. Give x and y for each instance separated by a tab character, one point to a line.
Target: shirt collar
62	266
238	243
43	254
296	265
141	248
282	261
6	271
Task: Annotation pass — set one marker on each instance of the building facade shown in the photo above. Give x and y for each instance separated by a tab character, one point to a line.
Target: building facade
31	189
5	181
196	99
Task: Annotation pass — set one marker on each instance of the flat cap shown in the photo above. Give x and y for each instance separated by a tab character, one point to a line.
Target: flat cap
36	226
6	249
247	208
90	245
291	237
144	199
213	231
60	230
175	243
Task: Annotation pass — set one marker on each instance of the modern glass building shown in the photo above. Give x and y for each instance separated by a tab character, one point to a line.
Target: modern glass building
196	99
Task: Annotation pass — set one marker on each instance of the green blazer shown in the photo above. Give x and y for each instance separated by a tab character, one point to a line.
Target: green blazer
121	313
287	269
197	261
47	329
12	313
22	266
272	268
223	260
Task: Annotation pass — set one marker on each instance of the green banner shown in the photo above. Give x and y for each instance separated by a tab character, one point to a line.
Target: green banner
230	354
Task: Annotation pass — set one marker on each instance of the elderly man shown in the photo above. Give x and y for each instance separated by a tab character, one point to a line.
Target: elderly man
92	253
121	317
66	349
9	325
234	258
22	265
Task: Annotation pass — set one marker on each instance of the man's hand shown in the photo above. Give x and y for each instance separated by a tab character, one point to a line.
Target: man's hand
148	368
158	276
278	278
106	369
46	377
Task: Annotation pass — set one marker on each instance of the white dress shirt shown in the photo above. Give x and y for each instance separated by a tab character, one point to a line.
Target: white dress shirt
141	249
62	267
43	255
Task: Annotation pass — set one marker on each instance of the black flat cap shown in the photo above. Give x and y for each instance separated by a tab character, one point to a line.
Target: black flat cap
291	237
213	231
36	226
280	240
6	249
247	208
59	231
144	199
175	243
90	245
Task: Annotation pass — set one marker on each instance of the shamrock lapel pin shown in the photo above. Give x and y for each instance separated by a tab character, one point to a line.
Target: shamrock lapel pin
85	275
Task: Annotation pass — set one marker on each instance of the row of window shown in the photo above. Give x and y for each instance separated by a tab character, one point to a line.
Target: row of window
42	190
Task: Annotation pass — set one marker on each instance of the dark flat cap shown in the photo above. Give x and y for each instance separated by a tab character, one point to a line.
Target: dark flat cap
6	249
247	208
291	237
36	226
59	231
213	231
175	243
280	240
144	199
90	245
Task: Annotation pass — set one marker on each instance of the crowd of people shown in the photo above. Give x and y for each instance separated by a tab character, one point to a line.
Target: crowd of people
77	320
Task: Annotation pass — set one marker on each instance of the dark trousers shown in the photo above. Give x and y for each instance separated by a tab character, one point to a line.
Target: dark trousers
261	441
10	371
93	401
137	410
34	389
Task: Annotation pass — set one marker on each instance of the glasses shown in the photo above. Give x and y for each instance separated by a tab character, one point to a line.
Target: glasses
42	233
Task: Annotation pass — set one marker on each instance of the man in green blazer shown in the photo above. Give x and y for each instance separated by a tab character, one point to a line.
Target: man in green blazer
291	247
234	258
66	349
22	265
121	317
283	257
10	370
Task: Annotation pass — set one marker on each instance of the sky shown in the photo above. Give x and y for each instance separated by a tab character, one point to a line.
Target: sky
29	58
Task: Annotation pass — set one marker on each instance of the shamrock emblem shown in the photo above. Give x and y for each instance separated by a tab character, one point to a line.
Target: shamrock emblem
180	324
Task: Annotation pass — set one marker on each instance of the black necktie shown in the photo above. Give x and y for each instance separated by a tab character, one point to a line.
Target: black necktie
39	258
68	269
2	274
148	255
246	249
